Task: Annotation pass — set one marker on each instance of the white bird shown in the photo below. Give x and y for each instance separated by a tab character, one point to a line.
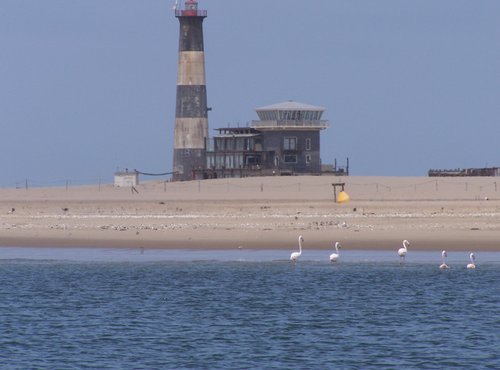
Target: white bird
403	250
295	255
443	258
335	256
472	258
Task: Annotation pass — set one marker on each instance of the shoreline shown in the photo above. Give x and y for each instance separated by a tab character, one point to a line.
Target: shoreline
380	244
456	214
375	241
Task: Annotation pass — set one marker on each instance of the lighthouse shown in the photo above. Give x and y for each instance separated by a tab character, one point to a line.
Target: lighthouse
191	118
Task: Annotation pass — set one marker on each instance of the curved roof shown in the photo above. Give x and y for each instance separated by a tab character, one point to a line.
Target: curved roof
291	105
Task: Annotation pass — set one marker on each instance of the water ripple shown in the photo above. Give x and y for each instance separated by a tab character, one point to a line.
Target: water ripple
192	315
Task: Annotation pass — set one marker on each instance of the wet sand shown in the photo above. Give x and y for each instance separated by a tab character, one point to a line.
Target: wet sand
259	213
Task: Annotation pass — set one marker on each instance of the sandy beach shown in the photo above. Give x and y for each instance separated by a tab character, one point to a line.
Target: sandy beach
259	213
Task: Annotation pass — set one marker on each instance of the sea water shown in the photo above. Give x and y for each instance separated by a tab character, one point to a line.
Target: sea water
132	309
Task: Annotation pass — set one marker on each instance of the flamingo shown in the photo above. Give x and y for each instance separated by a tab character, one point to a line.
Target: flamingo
443	257
472	258
335	256
295	255
403	250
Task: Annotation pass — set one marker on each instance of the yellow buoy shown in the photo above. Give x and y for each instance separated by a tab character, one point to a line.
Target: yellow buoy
343	197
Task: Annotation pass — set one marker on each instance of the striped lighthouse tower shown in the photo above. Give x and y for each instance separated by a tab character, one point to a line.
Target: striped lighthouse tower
191	119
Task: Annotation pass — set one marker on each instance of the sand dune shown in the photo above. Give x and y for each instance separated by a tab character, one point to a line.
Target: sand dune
259	213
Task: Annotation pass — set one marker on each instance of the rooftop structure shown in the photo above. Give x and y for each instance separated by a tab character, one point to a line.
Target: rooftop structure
190	10
290	115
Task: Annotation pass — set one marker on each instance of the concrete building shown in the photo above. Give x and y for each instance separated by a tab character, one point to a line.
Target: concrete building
126	179
284	141
465	172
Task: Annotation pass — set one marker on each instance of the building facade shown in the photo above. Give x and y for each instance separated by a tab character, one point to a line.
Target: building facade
126	179
284	141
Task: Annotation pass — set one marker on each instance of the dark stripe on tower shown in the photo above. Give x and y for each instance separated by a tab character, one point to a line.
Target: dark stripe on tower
191	37
191	101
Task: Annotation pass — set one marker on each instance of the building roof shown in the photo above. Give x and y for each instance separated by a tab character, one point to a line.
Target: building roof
127	173
291	105
236	130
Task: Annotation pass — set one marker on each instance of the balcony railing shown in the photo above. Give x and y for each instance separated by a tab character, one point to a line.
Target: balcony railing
190	13
321	125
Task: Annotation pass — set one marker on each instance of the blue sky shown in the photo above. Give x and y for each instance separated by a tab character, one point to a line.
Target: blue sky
88	86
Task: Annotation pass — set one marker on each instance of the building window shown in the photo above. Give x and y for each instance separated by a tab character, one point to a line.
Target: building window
308	158
290	159
290	143
308	143
210	145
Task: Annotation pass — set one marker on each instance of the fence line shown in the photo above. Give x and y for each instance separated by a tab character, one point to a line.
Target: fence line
315	188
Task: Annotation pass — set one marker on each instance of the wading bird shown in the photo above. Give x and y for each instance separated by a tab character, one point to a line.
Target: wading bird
335	256
443	259
472	258
403	250
295	255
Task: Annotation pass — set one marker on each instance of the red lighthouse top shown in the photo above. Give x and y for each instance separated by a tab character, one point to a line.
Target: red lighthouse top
190	10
